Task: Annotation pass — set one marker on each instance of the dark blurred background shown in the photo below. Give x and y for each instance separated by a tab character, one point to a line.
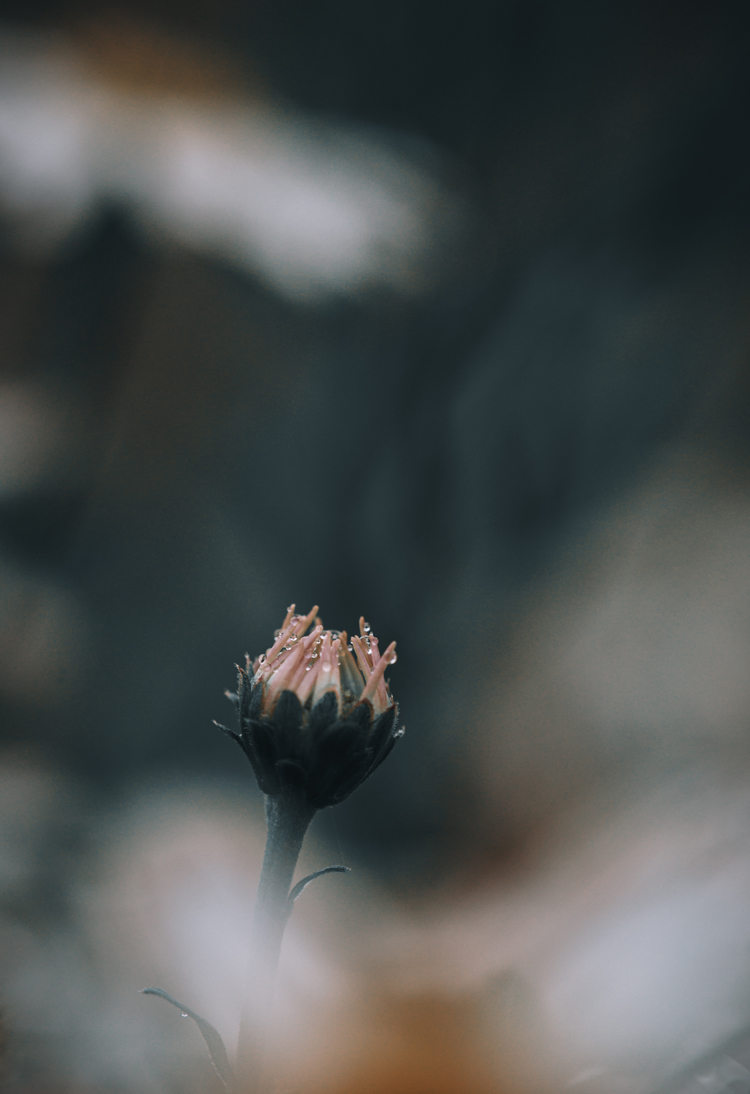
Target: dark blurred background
432	312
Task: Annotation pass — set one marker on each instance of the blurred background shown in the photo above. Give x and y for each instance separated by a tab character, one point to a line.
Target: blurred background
438	313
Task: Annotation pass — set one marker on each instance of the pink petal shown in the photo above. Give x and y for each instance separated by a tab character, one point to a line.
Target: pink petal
373	684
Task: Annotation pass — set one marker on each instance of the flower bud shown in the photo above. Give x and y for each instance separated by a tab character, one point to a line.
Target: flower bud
315	714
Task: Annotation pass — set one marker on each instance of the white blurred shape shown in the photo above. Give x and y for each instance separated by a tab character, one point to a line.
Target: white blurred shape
312	217
207	923
312	208
46	175
647	984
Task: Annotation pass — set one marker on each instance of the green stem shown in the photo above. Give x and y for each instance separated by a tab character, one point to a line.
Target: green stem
288	820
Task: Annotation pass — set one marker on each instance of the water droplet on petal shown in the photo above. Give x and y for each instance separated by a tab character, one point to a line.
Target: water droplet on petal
292	638
400	732
184	1014
393	659
277	632
262	659
307	668
286	647
367	628
289	607
350	647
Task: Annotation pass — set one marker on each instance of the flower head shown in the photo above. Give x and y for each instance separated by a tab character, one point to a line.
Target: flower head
315	711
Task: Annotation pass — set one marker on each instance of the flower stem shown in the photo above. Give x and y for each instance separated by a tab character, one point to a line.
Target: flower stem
288	817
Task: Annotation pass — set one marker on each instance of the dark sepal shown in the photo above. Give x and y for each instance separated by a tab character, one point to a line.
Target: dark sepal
341	757
268	786
361	716
324	791
292	774
260	745
382	731
356	775
245	742
335	780
229	732
244	689
335	752
389	746
373	763
287	722
256	699
323	714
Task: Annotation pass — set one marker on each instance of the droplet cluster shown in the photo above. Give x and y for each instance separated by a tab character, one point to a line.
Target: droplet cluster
324	660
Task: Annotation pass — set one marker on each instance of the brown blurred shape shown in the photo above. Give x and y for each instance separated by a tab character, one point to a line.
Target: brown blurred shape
139	54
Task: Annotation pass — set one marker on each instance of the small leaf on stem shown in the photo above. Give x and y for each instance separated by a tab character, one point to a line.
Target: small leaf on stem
211	1036
311	877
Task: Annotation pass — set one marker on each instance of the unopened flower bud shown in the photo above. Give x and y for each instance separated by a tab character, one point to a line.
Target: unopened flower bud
316	715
